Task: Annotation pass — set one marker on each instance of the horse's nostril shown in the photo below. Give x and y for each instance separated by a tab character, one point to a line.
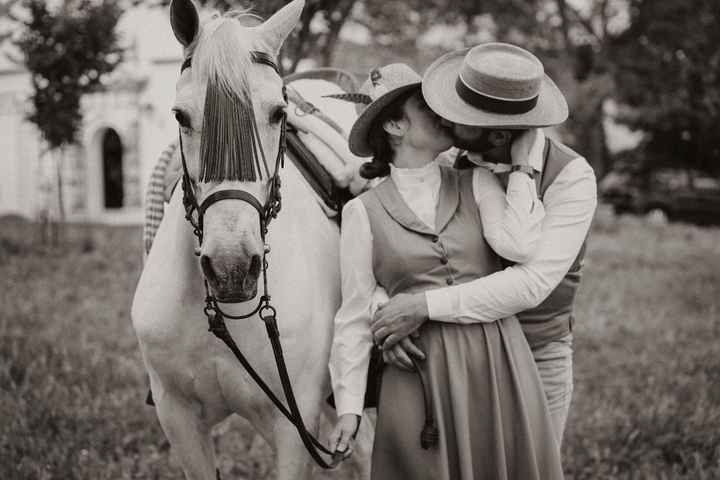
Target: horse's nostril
207	269
255	264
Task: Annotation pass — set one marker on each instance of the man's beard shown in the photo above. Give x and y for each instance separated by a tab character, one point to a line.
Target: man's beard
480	144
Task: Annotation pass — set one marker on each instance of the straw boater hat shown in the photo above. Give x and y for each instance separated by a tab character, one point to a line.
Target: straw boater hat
493	85
383	85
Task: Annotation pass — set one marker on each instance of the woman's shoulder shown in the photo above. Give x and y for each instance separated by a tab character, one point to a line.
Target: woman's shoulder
357	205
371	193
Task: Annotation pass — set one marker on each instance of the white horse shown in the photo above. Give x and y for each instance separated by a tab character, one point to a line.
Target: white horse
195	379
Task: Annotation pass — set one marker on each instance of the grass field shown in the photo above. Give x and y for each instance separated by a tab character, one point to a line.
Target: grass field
646	405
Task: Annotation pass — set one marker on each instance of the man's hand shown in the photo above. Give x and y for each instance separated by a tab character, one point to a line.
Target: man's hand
343	435
398	318
522	149
399	354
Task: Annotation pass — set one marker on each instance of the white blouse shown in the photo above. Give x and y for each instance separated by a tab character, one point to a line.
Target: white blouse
511	224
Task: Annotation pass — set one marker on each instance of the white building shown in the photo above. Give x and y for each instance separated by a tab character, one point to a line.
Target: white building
124	130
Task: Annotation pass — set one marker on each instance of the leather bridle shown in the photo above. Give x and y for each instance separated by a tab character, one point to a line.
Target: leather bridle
215	315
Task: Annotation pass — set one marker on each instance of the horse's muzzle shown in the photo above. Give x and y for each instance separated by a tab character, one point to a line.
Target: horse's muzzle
234	282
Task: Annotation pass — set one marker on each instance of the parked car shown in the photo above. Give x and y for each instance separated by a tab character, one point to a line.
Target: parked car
676	194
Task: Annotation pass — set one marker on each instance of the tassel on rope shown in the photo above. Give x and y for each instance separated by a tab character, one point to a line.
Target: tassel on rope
228	150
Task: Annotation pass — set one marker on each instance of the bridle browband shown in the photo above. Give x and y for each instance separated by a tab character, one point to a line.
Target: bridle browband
215	315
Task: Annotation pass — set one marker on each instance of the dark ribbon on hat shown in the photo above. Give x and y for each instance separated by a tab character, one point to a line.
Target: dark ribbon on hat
494	105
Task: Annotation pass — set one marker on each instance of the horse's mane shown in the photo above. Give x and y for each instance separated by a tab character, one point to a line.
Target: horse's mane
221	58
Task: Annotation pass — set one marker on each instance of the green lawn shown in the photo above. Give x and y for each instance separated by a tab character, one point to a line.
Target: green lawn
647	398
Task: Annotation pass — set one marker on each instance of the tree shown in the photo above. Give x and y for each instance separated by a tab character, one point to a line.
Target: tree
669	74
318	32
67	52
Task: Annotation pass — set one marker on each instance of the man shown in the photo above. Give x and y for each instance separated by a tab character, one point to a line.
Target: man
488	95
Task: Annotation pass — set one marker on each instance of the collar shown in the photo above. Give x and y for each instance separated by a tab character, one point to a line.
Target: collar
423	174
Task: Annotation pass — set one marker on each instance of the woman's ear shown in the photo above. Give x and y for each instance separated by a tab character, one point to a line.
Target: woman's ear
396	128
498	138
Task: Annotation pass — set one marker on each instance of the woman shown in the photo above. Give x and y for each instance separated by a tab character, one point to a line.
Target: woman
422	228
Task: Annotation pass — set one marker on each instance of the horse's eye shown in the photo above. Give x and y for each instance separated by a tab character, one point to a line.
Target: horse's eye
277	114
182	118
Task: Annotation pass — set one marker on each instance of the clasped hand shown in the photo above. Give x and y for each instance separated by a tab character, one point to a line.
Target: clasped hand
393	326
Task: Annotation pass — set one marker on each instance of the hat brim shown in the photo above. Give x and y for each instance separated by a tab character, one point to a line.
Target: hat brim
438	88
357	141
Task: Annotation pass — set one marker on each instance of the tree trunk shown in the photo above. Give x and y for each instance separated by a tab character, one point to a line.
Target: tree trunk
562	11
57	231
338	17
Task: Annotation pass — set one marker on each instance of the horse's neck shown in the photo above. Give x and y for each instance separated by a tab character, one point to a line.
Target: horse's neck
303	273
301	220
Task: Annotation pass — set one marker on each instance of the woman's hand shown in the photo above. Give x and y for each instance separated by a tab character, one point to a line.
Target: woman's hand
343	435
398	318
399	354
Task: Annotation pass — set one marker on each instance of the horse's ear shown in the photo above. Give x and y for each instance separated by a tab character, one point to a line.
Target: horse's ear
278	27
185	21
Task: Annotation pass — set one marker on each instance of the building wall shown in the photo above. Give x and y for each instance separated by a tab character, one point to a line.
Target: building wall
136	105
19	168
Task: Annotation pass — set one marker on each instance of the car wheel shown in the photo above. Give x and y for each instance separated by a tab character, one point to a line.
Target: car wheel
657	216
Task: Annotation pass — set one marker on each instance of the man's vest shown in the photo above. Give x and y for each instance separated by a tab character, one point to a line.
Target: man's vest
553	318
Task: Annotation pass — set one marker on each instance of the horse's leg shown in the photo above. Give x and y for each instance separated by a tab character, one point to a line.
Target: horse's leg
189	435
293	461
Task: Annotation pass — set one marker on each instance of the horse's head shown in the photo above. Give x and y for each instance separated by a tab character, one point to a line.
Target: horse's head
230	109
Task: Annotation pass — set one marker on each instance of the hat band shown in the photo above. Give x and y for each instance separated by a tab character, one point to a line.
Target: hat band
494	105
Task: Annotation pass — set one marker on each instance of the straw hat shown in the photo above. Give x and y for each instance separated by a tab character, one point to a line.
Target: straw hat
383	85
493	85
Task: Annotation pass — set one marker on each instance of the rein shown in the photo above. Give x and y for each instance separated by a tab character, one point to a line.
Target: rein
215	315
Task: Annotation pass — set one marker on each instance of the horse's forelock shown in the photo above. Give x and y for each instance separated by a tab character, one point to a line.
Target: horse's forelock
223	54
220	63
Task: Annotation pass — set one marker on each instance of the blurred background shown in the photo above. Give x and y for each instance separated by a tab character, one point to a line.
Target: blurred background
86	88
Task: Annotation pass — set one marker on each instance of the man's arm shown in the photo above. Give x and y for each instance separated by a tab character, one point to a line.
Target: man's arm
569	208
512	218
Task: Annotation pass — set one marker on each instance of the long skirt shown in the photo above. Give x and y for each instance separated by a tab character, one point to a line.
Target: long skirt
489	406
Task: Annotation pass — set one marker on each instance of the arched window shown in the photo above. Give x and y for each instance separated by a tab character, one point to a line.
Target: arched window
112	155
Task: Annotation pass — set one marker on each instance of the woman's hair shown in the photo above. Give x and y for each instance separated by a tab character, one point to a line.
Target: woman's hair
379	139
